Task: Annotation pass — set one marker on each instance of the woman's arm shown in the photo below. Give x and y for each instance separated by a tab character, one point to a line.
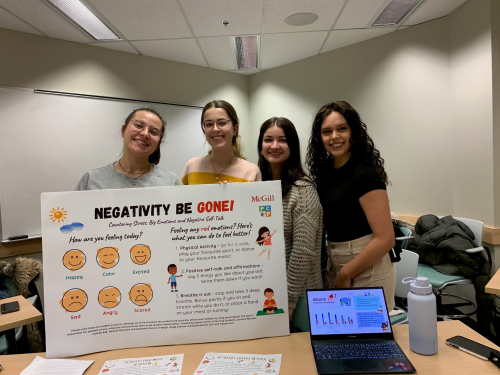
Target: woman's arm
306	215
375	205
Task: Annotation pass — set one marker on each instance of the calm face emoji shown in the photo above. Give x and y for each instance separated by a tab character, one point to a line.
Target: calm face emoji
74	300
108	257
109	297
140	254
74	260
141	294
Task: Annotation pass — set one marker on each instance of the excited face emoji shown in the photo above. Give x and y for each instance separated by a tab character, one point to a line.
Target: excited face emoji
73	300
108	257
74	259
141	294
140	254
109	297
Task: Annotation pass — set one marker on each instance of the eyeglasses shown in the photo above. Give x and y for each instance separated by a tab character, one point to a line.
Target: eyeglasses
154	132
221	124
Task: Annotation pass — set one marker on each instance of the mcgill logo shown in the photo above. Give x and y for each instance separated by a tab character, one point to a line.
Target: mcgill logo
263	198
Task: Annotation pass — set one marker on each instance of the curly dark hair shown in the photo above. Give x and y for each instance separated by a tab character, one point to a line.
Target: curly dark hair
292	170
362	146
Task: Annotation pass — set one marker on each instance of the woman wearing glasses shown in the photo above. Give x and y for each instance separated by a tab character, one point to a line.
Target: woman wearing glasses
142	135
224	162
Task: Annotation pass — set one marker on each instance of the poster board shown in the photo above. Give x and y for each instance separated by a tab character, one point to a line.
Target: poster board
108	259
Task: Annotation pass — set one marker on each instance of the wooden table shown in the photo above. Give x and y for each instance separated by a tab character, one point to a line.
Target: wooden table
493	286
297	354
26	314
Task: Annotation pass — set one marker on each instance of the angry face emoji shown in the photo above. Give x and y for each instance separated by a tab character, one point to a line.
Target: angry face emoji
141	294
140	254
109	297
73	300
108	257
74	259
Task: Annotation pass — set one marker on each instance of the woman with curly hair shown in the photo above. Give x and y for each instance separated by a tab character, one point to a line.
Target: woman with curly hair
351	181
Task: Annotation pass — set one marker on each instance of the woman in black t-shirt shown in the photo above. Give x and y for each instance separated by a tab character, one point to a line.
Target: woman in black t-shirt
351	183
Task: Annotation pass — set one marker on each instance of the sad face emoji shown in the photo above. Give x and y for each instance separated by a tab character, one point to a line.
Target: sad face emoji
140	254
141	294
108	257
109	297
74	260
73	300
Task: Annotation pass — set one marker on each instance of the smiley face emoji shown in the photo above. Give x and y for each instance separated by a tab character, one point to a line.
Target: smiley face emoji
74	300
141	294
140	254
74	259
108	257
109	297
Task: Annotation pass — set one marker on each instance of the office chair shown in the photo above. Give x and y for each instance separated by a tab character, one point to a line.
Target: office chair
440	281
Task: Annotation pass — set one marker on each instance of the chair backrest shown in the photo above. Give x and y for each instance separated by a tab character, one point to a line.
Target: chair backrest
406	232
406	267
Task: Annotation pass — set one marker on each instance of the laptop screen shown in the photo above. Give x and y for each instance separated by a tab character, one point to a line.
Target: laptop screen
347	311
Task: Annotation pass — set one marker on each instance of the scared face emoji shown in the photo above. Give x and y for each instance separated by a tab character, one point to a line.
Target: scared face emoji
74	259
141	294
109	297
73	300
140	254
108	257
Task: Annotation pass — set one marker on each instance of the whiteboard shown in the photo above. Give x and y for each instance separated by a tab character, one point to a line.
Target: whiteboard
47	143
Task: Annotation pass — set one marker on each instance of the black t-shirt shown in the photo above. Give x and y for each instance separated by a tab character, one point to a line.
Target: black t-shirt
339	192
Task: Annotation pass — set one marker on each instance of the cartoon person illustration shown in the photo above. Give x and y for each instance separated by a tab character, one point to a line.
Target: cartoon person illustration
108	257
73	300
109	297
331	297
385	326
172	280
74	259
264	239
270	305
141	294
140	254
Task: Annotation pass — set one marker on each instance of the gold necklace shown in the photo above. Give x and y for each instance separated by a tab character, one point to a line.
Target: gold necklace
213	166
132	179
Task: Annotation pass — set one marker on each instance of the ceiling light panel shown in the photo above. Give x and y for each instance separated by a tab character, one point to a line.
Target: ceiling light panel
144	20
277	11
395	12
84	18
247	49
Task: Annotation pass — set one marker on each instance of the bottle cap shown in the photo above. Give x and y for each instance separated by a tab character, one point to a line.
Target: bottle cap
418	285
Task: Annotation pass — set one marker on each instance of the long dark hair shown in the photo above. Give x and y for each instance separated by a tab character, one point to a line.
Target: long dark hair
231	112
362	146
292	168
154	158
262	230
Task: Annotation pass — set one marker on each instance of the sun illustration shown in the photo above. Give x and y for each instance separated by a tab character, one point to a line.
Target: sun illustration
59	214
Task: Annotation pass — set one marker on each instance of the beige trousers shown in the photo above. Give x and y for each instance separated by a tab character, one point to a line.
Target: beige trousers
381	273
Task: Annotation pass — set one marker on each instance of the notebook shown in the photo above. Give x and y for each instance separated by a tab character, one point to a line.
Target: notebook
351	332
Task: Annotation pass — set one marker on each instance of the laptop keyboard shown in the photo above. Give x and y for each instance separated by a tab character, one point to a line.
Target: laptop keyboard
355	351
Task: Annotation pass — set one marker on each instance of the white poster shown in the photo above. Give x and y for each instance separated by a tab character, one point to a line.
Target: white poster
160	266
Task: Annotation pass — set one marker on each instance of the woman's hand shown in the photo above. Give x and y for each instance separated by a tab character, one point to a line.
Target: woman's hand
342	280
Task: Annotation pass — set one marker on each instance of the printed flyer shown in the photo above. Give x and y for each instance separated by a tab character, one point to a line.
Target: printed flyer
161	266
239	364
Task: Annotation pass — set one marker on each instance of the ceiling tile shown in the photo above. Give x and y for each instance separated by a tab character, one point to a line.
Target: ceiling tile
280	49
139	20
277	10
206	16
247	72
181	50
358	13
45	19
218	52
342	38
433	9
118	46
8	21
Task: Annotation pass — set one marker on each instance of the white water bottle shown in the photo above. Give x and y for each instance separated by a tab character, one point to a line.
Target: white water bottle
422	316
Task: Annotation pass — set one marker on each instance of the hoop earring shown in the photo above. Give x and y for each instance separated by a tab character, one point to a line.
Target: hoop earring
261	153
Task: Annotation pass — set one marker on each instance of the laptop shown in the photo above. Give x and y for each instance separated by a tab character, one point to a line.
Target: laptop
351	332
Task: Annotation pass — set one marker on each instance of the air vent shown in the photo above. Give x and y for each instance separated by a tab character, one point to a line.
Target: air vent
246	49
396	11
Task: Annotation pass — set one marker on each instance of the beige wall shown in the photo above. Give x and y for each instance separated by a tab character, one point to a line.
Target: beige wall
400	84
495	46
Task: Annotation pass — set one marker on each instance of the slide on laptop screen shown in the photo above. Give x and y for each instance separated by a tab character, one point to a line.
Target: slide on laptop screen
351	332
